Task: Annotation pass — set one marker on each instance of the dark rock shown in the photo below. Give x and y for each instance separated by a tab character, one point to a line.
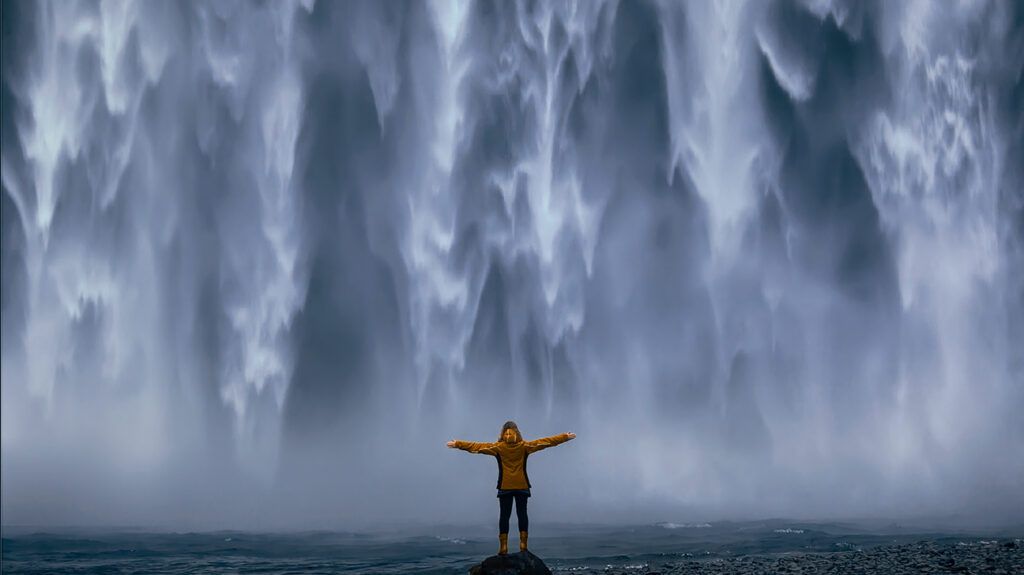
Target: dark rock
522	563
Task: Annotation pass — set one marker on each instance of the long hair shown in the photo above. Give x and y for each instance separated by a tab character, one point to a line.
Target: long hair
510	425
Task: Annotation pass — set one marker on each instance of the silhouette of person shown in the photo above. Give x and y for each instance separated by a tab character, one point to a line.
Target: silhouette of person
511	451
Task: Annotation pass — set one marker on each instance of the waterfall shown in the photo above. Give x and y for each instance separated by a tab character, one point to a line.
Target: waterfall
762	257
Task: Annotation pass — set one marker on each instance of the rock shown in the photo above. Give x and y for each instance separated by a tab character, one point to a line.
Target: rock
522	563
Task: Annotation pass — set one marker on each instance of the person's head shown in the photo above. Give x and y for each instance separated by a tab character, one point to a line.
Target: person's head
510	433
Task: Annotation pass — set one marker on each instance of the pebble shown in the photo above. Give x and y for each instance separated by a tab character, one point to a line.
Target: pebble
1004	557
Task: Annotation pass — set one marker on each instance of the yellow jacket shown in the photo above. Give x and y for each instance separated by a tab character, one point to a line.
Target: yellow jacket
512	457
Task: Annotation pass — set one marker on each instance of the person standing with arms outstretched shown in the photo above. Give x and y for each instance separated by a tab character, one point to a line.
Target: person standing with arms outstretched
511	452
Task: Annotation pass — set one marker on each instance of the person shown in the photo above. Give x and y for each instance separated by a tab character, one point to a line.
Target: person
511	451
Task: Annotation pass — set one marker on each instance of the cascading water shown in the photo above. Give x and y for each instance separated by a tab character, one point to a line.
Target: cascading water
261	260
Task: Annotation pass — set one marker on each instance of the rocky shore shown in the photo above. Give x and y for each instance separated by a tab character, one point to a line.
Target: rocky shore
1002	556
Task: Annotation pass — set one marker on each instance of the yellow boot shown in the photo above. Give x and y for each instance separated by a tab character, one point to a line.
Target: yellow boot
503	538
522	541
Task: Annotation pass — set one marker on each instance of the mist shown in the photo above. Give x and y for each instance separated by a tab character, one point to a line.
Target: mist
261	260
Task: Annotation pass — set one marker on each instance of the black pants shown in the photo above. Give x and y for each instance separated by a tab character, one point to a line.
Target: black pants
505	503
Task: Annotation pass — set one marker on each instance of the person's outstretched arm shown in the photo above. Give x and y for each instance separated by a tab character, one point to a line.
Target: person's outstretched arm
546	442
474	446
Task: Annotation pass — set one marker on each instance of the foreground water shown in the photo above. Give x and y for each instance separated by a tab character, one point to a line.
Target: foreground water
664	547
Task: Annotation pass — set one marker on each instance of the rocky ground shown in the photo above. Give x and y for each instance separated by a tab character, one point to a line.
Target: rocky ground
1004	556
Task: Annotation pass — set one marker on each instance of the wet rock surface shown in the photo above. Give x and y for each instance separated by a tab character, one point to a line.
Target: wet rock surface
522	563
1004	556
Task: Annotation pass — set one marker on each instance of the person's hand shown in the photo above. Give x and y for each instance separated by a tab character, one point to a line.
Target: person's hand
451	443
571	435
